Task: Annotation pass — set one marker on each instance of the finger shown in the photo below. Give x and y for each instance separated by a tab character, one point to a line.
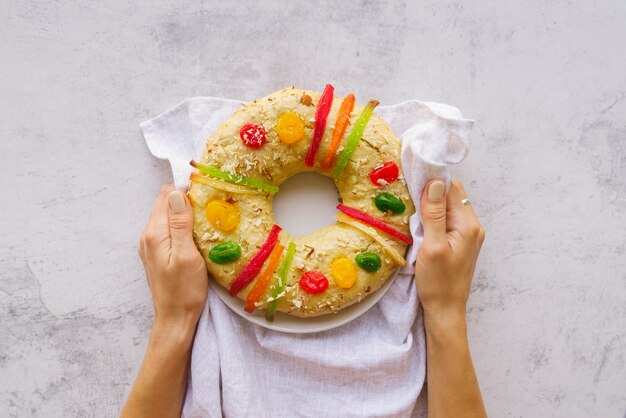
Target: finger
455	204
433	207
180	216
478	228
459	186
156	236
160	222
157	208
460	218
148	233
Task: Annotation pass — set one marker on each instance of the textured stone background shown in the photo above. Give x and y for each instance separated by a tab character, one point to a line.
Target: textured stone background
545	81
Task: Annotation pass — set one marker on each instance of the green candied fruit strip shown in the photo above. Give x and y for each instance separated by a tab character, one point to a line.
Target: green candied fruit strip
234	177
225	253
353	139
386	202
368	261
281	282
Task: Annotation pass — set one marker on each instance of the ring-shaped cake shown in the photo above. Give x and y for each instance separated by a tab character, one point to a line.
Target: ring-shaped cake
258	148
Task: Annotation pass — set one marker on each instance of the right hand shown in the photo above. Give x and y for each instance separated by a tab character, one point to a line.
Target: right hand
446	261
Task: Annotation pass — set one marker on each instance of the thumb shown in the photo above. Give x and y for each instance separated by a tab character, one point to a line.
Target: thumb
180	217
433	207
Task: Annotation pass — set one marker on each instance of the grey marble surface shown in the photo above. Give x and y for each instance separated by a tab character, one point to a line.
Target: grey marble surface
545	81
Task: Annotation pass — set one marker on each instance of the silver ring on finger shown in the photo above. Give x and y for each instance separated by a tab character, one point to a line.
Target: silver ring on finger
466	201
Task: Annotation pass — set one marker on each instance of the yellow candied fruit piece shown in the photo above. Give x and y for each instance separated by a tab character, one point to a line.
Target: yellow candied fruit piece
290	127
344	272
223	215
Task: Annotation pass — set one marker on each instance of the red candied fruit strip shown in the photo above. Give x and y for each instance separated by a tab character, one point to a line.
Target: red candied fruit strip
376	223
321	114
251	270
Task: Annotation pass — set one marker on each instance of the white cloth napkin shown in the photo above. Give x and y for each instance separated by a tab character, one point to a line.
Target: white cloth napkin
373	366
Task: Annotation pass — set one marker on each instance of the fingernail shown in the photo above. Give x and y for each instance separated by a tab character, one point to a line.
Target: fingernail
436	190
177	201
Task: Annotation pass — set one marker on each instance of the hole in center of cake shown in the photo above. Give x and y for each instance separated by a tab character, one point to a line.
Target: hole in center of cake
306	202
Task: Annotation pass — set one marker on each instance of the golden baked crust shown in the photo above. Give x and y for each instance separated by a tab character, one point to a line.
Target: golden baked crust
275	162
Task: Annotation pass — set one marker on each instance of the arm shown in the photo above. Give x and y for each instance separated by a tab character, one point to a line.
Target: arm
178	282
444	269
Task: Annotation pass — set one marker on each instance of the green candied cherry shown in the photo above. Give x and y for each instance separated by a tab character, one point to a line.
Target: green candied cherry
387	202
368	261
226	252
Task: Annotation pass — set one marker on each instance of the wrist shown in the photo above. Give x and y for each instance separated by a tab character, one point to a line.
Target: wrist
173	332
445	323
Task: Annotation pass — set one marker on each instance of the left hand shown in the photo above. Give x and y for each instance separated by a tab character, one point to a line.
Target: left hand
175	269
178	280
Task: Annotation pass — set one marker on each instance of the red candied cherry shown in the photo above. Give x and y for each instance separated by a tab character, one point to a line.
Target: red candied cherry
313	282
253	135
385	174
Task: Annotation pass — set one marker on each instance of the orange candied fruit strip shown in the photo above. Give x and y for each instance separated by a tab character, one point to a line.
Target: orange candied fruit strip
263	281
343	118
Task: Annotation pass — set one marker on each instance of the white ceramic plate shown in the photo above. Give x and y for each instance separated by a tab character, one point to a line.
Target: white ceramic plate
306	202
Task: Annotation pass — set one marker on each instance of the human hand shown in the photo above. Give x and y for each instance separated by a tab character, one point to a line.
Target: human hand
443	275
175	270
178	280
446	261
